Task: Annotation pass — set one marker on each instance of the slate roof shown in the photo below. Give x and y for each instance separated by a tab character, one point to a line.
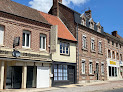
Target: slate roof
63	32
17	9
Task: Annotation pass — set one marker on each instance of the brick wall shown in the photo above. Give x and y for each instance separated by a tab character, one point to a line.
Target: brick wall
14	27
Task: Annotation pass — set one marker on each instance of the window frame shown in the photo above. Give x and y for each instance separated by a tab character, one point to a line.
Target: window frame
92	45
100	47
83	66
41	42
102	68
63	48
90	67
26	32
84	42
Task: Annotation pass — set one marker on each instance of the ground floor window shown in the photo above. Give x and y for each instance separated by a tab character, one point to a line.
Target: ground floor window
112	71
60	72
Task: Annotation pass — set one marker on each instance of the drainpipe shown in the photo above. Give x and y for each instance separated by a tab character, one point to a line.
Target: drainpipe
78	49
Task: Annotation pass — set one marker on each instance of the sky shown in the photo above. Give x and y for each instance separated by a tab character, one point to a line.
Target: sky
108	12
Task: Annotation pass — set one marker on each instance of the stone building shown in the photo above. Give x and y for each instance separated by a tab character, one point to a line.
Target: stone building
91	56
114	50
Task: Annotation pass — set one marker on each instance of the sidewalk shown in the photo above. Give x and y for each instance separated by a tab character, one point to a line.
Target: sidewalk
85	87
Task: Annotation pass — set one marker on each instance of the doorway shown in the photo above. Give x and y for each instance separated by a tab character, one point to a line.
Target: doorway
71	74
97	71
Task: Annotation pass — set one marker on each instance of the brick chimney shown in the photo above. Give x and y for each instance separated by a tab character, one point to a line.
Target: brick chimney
55	8
88	14
114	33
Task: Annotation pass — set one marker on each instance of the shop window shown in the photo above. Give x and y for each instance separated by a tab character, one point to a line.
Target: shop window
60	72
112	71
26	39
109	54
83	66
43	42
1	34
64	48
90	68
84	41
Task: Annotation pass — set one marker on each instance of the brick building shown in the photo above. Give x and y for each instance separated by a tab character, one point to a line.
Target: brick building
28	64
91	58
114	50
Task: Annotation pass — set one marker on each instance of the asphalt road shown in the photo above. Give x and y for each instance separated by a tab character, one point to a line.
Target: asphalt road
115	90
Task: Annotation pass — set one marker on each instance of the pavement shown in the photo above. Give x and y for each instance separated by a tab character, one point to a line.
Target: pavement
102	86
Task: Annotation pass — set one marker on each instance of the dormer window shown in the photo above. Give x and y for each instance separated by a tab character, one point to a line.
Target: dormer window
99	29
91	25
83	22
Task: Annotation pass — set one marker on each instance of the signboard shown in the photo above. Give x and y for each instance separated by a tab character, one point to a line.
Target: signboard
112	63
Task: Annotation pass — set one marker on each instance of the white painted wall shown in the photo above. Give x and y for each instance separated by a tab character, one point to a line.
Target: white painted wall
43	78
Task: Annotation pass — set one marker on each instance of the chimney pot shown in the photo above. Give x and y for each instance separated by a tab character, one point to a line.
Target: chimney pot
114	33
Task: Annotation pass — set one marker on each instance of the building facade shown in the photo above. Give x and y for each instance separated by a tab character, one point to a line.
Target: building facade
91	58
63	48
114	49
24	47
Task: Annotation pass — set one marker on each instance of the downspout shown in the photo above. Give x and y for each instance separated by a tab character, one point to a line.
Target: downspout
77	51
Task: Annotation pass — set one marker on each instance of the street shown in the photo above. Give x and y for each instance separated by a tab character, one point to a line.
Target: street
115	90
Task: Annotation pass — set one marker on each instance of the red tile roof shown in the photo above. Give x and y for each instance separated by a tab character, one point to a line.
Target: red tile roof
63	32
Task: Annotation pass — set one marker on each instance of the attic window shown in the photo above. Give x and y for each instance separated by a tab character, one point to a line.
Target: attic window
83	22
91	25
99	29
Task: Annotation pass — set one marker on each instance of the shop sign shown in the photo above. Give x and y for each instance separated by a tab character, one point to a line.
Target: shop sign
112	63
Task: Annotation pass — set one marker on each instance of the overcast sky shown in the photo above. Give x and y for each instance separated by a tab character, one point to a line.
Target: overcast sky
108	12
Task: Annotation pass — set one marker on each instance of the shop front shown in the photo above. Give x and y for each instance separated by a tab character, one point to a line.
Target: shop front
113	70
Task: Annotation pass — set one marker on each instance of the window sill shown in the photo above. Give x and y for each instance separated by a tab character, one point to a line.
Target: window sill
2	45
91	74
84	49
65	54
93	51
100	53
84	74
26	48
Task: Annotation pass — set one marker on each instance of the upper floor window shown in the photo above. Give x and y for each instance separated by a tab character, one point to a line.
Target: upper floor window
92	44
109	54
120	46
116	44
113	43
83	22
99	29
91	25
64	48
121	57
117	56
42	42
83	66
84	42
26	39
113	54
100	47
1	34
108	41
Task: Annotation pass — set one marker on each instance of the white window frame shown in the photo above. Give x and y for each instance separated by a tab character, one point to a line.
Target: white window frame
3	30
64	47
27	32
84	40
83	66
91	25
41	42
100	47
90	67
92	45
102	68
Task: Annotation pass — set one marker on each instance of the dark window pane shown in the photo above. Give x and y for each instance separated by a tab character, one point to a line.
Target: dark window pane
27	40
23	39
43	42
60	47
40	42
63	48
110	71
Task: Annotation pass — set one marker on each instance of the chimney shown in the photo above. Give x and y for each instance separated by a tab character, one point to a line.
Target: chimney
114	33
55	9
88	14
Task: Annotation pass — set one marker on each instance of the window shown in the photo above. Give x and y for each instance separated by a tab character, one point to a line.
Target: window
60	72
84	42
83	66
116	44
26	39
1	34
100	47
102	69
112	71
113	43
92	44
120	46
91	25
90	68
108	41
98	29
113	54
121	57
83	22
117	56
64	48
43	42
109	54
